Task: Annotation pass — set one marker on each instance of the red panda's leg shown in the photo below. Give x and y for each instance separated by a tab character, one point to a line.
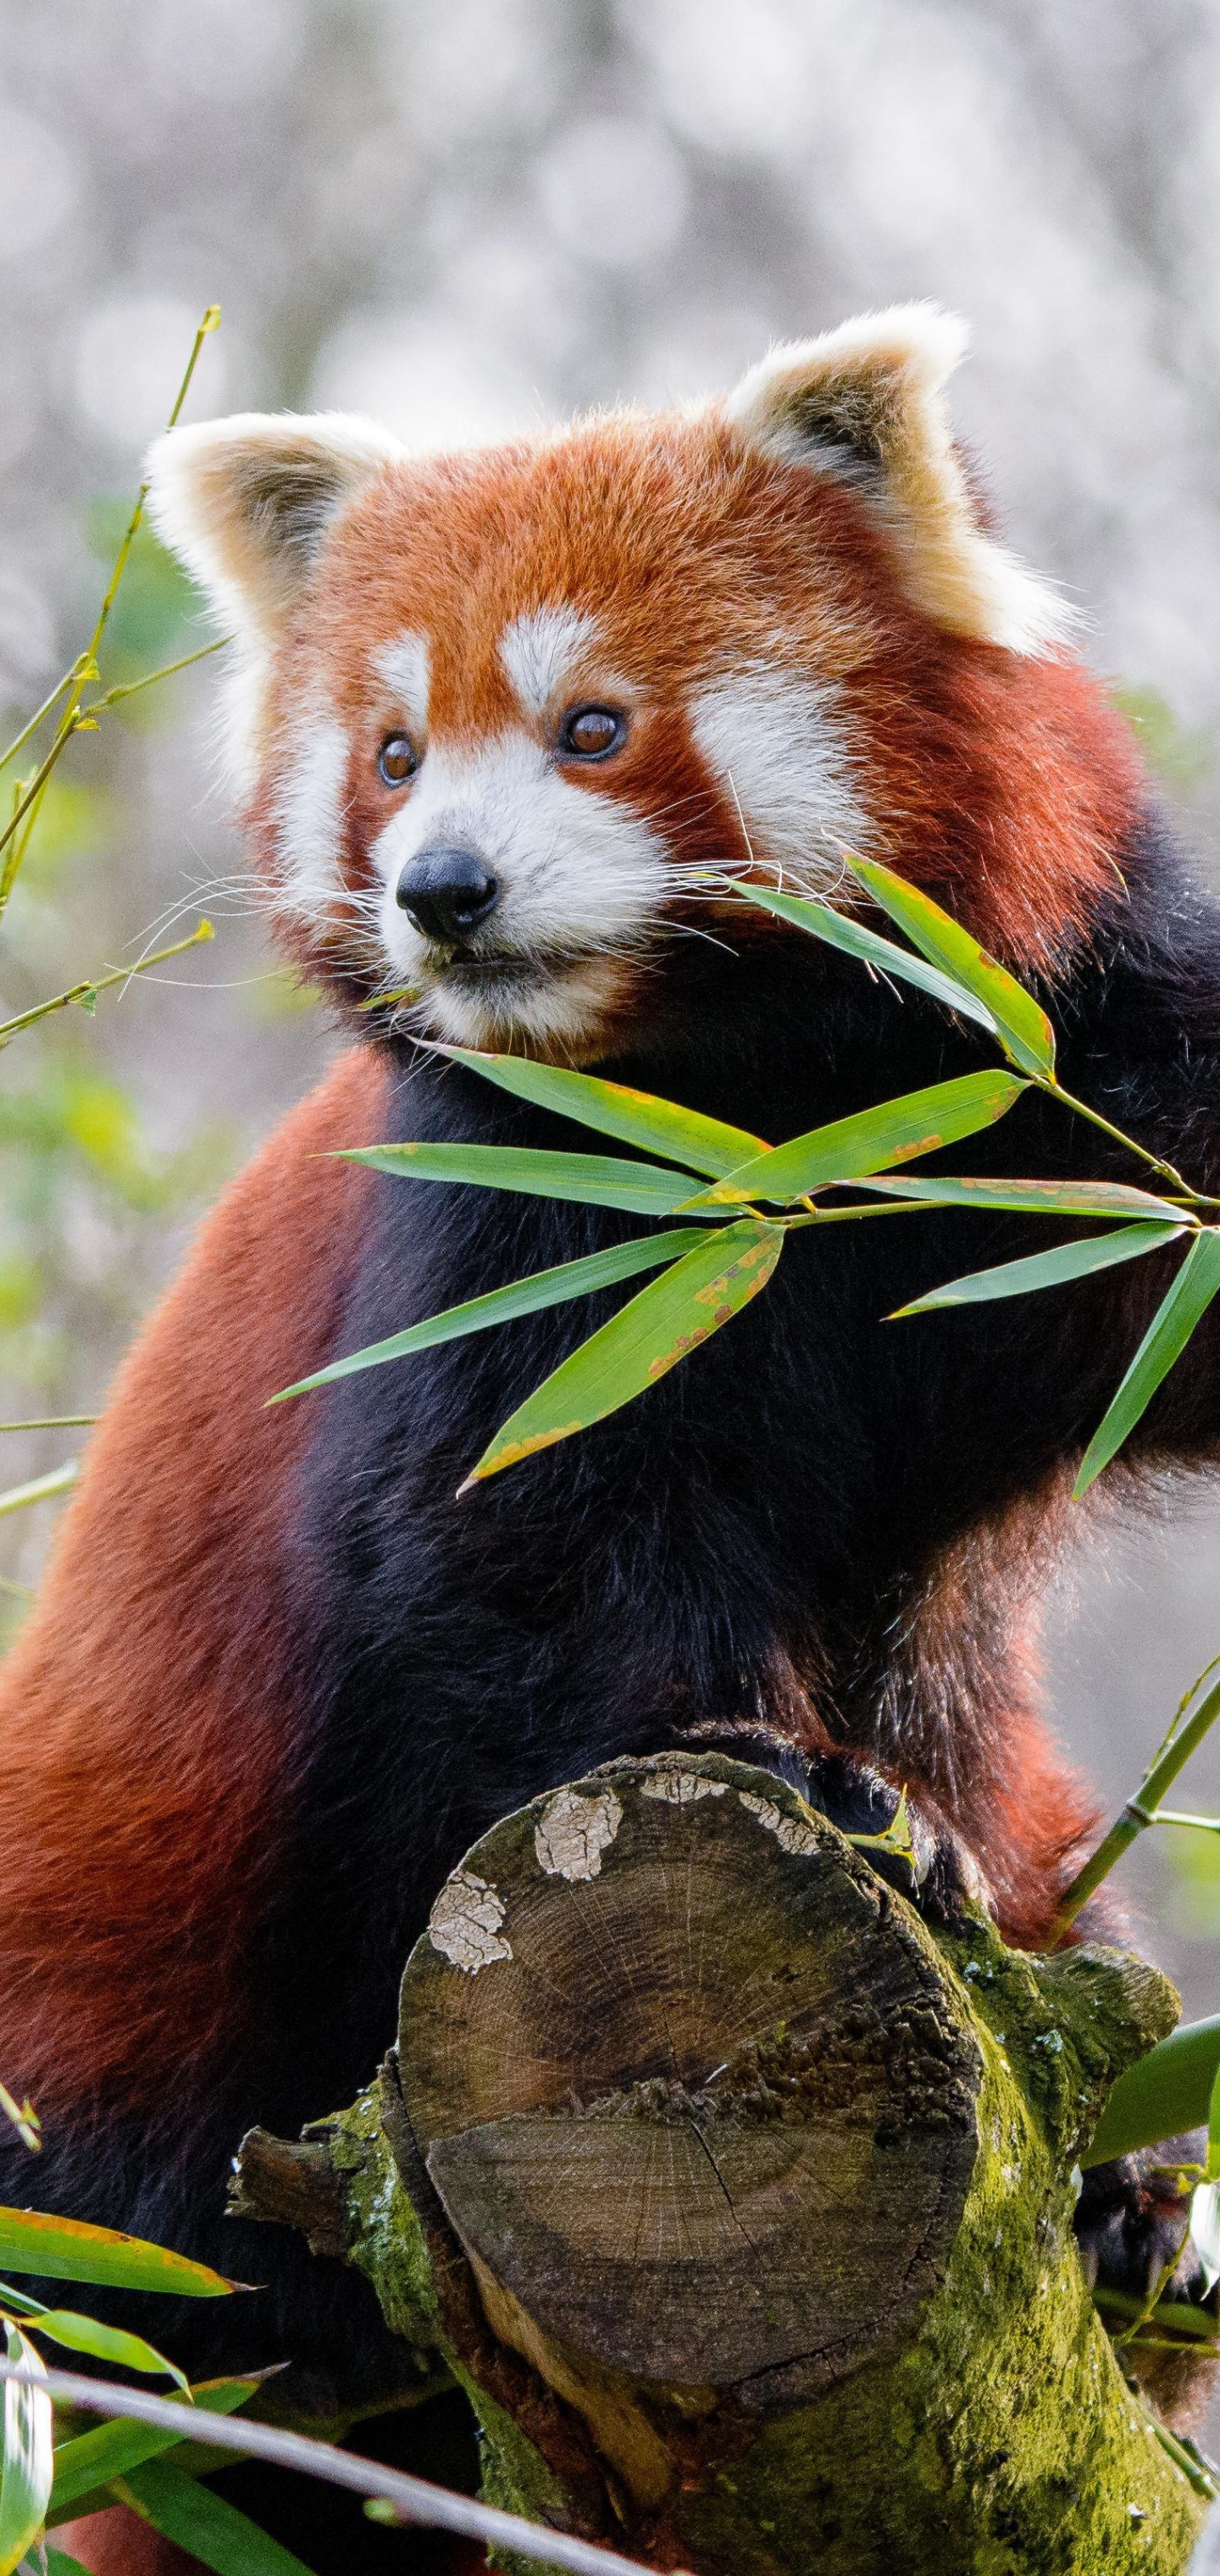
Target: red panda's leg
119	2544
147	1709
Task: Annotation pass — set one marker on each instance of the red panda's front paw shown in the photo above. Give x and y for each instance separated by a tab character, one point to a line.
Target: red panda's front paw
905	1841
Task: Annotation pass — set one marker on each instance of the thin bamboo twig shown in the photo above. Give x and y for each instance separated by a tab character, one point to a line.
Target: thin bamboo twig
148	679
1141	1810
92	985
20	740
1055	1091
24	2118
53	1422
415	2500
73	716
42	1489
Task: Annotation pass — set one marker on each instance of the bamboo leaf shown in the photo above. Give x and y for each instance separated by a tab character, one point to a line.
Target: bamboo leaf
1022	1027
1166	1338
66	2249
592	1179
205	2525
59	2564
647	1337
1044	1269
1168	2090
849	1148
26	2464
1205	2229
106	2343
91	2460
1033	1198
524	1297
636	1117
838	930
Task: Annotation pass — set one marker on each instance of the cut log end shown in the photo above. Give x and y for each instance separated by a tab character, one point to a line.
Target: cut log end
705	2110
743	2201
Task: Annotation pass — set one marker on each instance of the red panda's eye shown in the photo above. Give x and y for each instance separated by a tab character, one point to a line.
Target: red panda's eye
397	759
590	733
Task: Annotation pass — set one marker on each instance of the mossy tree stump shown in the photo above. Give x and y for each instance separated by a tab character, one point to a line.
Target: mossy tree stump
741	2204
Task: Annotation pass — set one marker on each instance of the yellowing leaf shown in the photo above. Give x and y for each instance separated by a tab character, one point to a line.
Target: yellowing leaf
66	2249
1167	1336
854	939
1020	1023
636	1117
500	1305
1045	1269
594	1180
668	1320
895	1132
105	2343
1035	1198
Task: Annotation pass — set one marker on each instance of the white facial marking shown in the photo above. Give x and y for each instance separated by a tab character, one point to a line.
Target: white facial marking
309	816
784	753
539	651
581	879
405	666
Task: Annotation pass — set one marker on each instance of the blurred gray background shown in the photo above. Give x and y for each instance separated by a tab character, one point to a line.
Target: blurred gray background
462	216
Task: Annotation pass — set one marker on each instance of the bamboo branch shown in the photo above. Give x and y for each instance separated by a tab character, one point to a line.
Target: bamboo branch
413	2500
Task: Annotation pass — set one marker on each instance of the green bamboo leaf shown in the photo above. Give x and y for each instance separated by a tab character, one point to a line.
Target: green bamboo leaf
1205	2230
106	2343
636	1117
26	2464
895	1132
66	2249
92	2459
1044	1269
205	2525
59	2564
651	1334
524	1297
838	930
1166	1338
1022	1027
1033	1198
1163	2093
593	1179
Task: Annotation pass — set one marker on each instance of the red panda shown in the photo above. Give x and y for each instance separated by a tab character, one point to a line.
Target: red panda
496	717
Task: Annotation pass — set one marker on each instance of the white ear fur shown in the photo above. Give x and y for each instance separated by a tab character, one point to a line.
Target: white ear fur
245	503
865	403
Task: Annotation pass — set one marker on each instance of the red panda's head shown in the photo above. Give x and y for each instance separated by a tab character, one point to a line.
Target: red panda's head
502	719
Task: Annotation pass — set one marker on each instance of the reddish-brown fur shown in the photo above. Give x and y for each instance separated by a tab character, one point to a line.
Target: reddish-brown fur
146	1710
999	779
119	2544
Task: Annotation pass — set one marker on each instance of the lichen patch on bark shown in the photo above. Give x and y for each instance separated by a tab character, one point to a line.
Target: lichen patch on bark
465	1921
573	1831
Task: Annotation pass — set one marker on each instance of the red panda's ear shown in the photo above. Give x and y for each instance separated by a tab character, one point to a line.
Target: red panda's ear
866	403
245	503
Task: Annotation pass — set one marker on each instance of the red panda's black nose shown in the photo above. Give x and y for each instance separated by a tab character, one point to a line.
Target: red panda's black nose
446	893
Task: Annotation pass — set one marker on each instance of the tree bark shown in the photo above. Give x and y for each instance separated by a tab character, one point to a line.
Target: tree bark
740	2201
